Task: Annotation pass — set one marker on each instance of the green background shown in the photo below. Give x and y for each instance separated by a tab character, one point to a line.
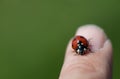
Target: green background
34	34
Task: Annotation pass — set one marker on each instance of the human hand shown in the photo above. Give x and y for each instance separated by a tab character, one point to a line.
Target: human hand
97	64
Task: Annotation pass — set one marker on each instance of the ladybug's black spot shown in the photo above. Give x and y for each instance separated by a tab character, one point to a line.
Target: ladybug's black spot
81	37
72	45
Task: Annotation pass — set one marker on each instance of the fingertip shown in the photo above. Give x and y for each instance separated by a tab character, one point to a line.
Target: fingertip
94	34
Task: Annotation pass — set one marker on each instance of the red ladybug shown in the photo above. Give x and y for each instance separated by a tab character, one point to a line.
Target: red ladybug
80	45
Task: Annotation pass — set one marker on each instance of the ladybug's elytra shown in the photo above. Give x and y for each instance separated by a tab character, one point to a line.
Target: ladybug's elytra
80	45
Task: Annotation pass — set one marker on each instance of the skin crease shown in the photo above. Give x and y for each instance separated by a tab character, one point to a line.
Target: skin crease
97	64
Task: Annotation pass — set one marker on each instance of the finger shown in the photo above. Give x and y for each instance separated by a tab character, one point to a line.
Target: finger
98	41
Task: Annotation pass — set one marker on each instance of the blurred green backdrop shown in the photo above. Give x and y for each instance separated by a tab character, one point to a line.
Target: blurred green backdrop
34	34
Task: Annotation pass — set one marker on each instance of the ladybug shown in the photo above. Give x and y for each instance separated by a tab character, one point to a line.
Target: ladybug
80	45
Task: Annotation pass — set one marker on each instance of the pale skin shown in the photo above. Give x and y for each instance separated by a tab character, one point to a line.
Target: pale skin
97	64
